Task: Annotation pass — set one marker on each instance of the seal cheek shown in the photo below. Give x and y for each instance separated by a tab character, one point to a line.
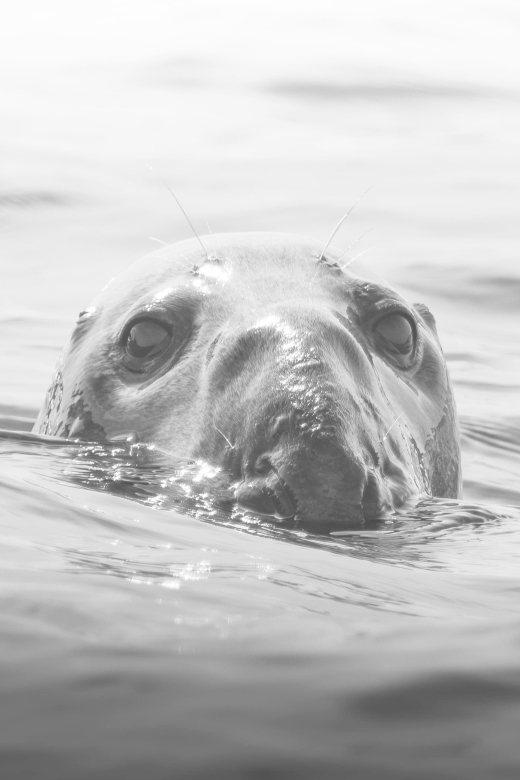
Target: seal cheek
80	423
419	399
442	454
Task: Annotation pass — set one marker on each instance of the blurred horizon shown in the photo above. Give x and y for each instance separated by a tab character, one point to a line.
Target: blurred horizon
272	116
459	41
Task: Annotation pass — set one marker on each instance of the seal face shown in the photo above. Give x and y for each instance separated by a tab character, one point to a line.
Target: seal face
324	395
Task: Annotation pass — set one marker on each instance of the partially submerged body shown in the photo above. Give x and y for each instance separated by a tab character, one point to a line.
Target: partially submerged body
324	396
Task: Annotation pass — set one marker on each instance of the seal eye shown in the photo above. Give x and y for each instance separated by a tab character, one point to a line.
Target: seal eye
396	335
146	339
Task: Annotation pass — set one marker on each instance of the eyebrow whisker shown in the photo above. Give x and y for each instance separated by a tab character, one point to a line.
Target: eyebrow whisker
347	250
188	220
357	256
172	260
343	218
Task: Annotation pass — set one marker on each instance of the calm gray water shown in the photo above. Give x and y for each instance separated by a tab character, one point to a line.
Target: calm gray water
144	635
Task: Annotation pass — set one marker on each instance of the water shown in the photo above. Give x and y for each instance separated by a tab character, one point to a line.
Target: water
146	632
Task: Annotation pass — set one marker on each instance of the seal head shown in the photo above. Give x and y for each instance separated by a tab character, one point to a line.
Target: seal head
323	394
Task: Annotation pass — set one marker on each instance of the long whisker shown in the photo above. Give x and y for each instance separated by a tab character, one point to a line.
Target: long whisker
342	220
188	220
347	250
160	241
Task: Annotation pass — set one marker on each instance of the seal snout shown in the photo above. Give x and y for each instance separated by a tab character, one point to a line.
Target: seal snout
302	447
308	478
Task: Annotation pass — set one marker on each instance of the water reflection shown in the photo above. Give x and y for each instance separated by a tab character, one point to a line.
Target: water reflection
437	534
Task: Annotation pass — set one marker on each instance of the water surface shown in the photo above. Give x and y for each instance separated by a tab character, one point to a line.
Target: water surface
144	631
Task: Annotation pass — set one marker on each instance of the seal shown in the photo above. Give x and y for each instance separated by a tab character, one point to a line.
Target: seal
321	392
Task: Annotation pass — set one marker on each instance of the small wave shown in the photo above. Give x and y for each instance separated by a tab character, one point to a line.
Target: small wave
157	481
499	434
390	91
462	284
34	199
16	418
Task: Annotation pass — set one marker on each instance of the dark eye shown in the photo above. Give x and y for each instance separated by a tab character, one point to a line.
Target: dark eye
146	339
396	335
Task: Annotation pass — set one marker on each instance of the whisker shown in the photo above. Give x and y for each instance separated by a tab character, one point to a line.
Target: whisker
342	220
225	437
188	264
185	215
160	241
347	250
356	257
388	431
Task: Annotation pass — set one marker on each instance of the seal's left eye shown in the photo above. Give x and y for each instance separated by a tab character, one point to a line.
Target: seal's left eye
396	335
146	339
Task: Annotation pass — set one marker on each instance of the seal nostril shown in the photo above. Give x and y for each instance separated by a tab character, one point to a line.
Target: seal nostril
283	500
269	496
291	502
258	499
280	508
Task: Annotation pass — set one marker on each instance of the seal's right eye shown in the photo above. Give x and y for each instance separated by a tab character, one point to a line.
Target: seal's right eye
395	334
147	339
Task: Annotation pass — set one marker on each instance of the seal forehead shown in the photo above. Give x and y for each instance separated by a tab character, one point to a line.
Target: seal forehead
237	257
243	273
231	263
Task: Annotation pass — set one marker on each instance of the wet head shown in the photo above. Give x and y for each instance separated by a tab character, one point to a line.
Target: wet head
323	395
